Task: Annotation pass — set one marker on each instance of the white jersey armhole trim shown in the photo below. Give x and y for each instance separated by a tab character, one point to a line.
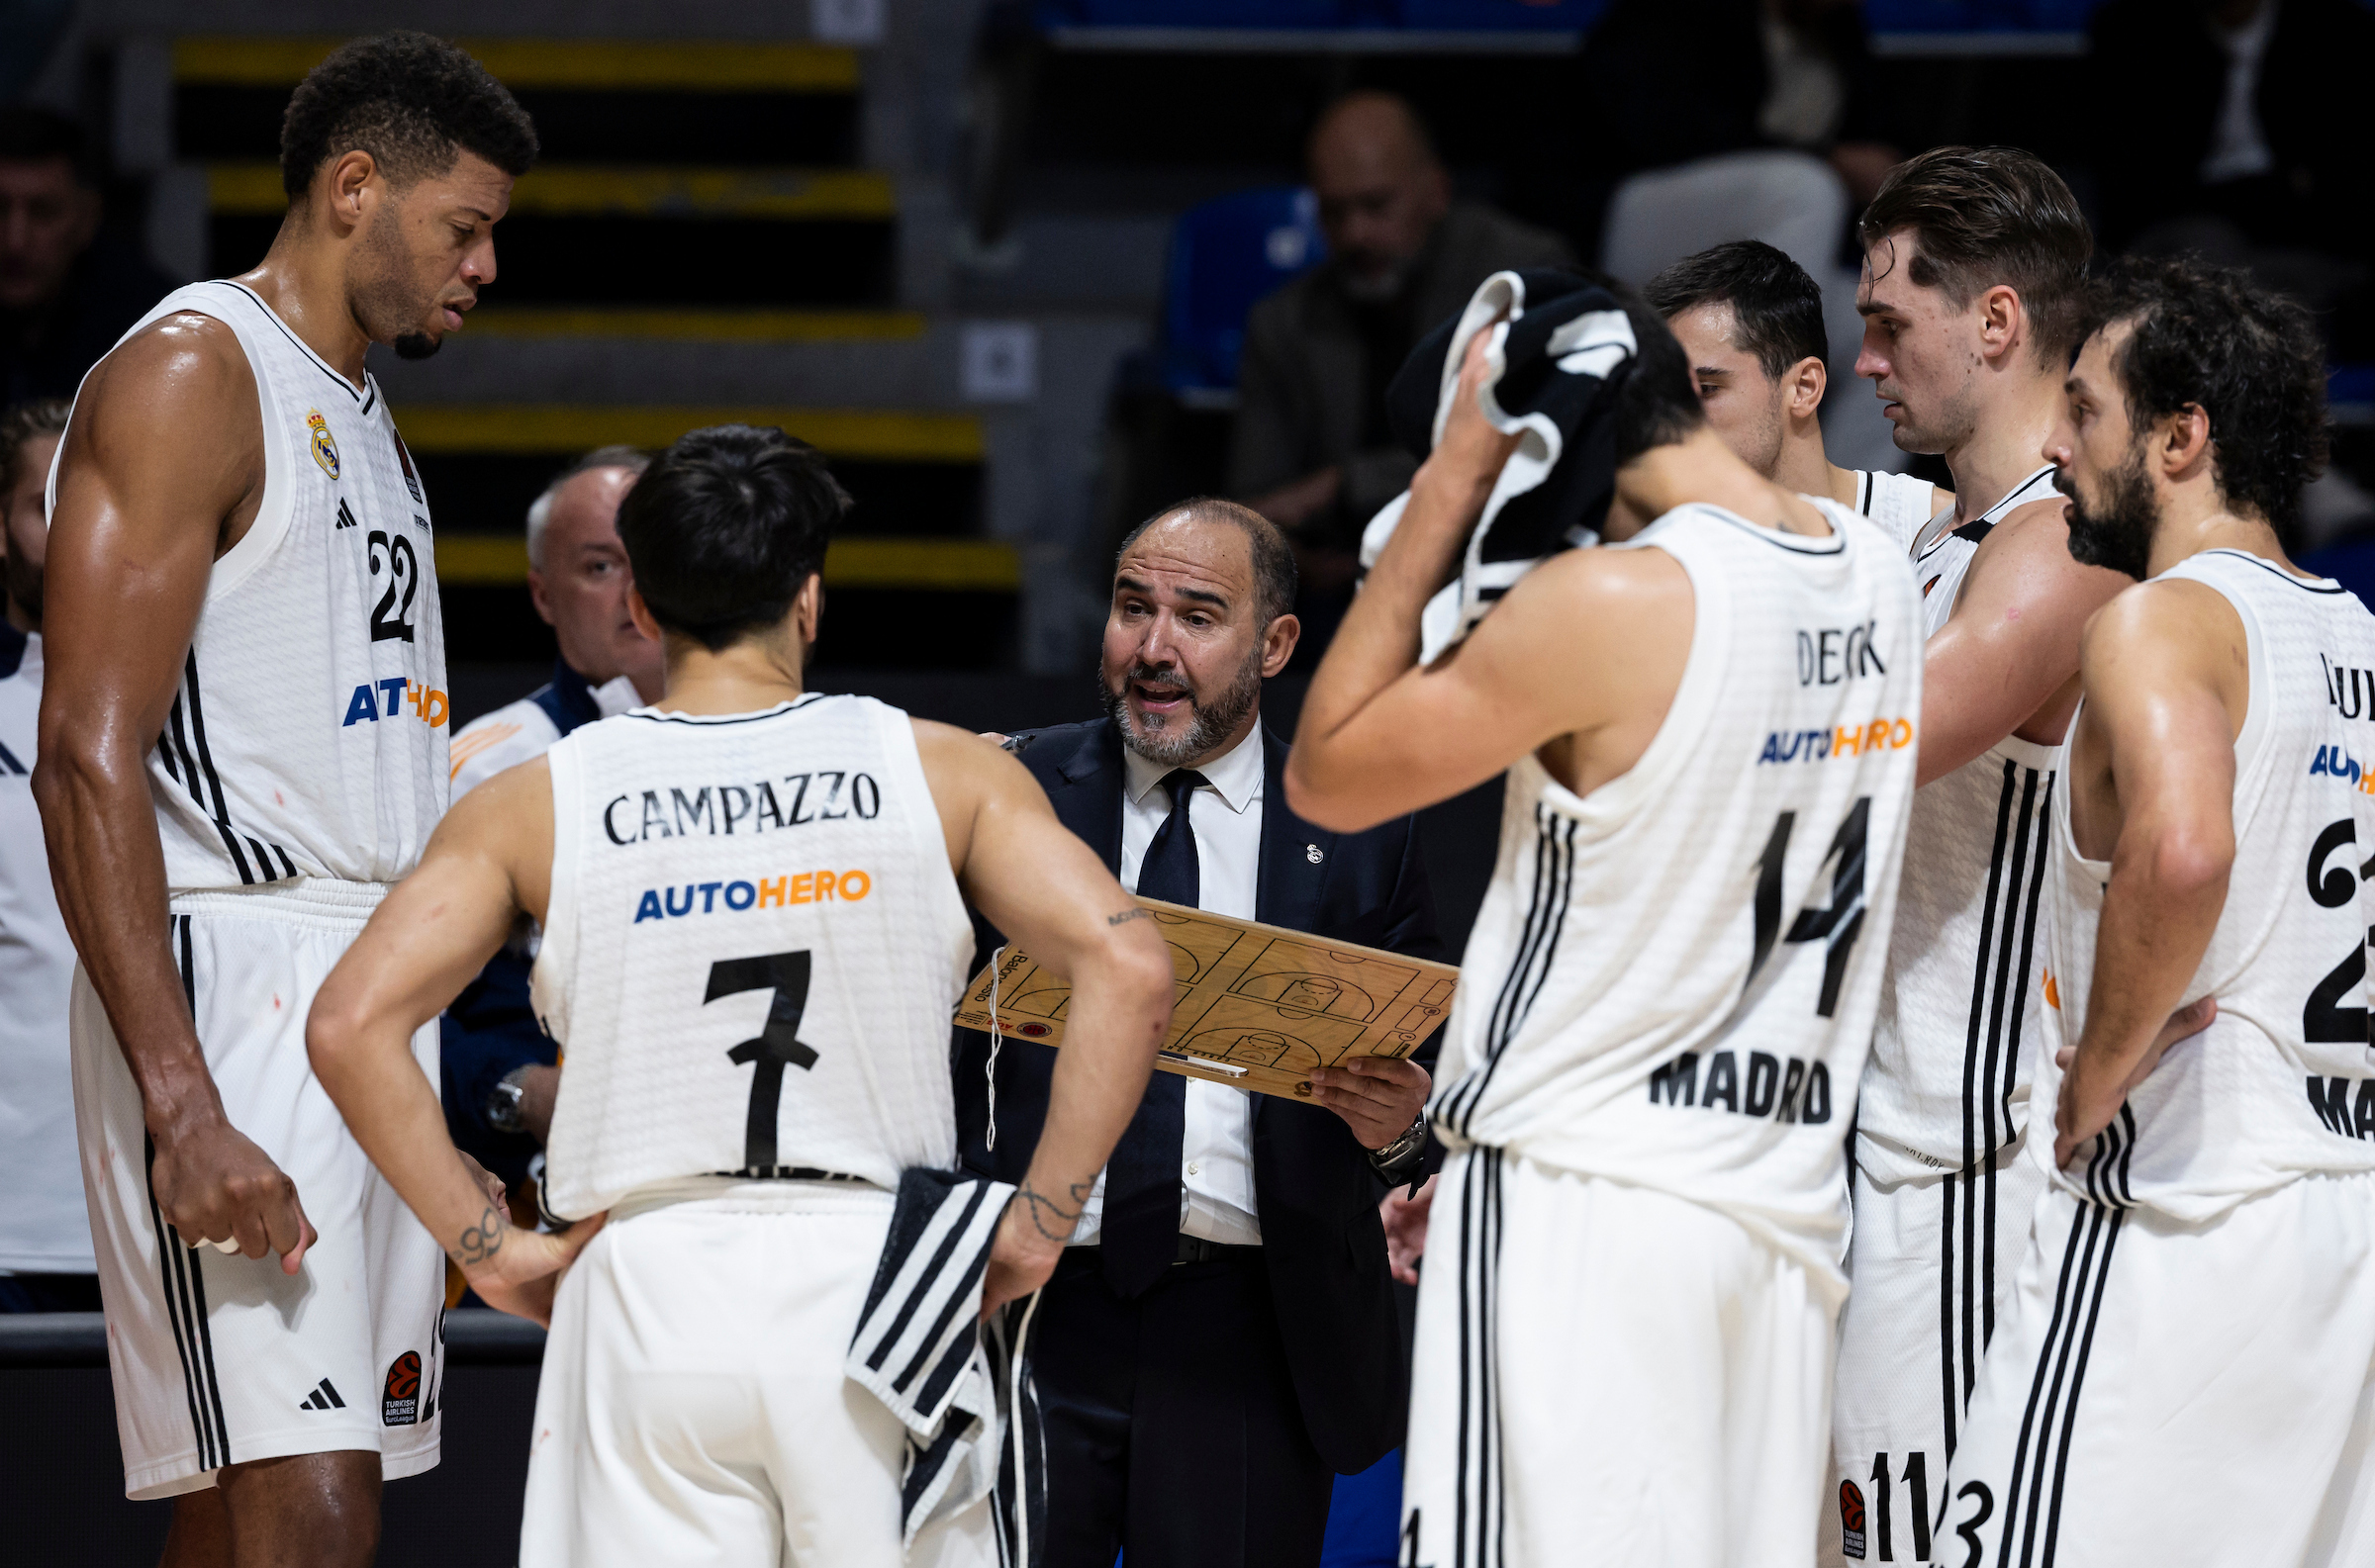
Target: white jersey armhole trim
1612	804
2250	746
275	512
901	752
556	955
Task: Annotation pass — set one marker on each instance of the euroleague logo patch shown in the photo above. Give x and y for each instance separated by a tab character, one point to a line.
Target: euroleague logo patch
401	1403
1850	1520
325	450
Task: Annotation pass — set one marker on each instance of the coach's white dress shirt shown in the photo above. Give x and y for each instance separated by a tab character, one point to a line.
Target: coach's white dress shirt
1216	1171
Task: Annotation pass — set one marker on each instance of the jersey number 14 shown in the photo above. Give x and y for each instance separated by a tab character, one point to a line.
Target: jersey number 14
1838	925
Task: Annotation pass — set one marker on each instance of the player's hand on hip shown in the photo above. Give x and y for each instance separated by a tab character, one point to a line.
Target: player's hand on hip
525	1270
1405	1220
1378	1097
2085	1109
214	1184
1022	1258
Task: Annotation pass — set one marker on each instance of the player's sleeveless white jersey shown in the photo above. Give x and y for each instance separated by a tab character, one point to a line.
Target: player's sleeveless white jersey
1952	1051
308	737
752	951
2282	1083
1899	502
1672	980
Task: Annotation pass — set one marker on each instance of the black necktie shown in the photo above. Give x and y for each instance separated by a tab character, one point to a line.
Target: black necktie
1140	1238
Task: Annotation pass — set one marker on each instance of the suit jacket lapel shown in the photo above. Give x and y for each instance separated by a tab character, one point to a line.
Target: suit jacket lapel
1296	856
1091	802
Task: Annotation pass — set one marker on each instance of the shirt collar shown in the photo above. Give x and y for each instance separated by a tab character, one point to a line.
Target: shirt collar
1235	774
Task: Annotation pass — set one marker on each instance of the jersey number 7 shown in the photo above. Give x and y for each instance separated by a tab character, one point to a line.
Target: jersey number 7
778	1044
1841	924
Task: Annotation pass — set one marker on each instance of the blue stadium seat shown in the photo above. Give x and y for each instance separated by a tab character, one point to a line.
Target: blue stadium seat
1500	16
1196	13
1979	16
1224	255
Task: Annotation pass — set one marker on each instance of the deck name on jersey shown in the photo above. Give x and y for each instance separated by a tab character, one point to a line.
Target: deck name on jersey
1844	740
808	887
1798	1092
822	797
2350	691
430	705
2343	1114
1833	654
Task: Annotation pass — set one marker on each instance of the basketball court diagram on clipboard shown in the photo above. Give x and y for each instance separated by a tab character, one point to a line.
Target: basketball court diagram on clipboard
1254	1006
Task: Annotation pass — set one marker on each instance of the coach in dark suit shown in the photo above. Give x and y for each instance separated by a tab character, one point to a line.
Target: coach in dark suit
1220	1341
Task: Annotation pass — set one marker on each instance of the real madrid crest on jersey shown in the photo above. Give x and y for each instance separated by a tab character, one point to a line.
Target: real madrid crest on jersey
325	450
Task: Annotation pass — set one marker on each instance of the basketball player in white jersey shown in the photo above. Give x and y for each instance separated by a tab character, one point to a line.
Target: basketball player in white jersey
2186	1374
243	744
753	900
1973	265
1625	1326
1751	321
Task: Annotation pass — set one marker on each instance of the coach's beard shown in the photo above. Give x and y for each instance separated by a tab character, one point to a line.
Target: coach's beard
1175	744
2119	535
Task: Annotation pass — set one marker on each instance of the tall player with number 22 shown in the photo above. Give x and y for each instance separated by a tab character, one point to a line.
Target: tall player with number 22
242	745
1625	1326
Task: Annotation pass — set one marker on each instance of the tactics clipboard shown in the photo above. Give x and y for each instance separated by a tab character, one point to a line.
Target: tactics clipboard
1256	1007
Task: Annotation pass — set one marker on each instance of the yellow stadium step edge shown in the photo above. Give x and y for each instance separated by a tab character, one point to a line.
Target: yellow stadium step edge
755	325
990	566
600	191
879	435
584	65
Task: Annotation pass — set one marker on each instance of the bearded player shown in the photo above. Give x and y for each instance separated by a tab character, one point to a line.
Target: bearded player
2187	1371
241	746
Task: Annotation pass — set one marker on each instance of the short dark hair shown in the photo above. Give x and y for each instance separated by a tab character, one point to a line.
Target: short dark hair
1776	309
29	133
1275	580
414	103
1656	402
725	527
1987	216
23	423
2250	359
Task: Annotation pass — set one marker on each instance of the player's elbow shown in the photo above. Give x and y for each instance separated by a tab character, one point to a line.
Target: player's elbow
2189	860
334	1031
1327	796
1139	969
77	769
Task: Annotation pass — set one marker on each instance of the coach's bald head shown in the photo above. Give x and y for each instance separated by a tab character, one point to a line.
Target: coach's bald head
1381	190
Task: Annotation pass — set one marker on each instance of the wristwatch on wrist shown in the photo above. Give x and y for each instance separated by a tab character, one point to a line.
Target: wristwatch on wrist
1399	1162
503	1103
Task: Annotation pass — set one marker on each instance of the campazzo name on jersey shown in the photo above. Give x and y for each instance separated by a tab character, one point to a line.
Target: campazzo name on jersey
725	809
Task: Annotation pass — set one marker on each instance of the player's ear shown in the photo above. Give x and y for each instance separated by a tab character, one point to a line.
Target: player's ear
640	613
348	187
1809	377
808	609
2003	320
2185	440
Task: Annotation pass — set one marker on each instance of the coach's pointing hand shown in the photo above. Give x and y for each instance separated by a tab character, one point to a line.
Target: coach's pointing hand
213	1184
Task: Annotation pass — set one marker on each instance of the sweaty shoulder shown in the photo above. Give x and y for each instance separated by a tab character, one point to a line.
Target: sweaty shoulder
185	358
2027	554
2168	618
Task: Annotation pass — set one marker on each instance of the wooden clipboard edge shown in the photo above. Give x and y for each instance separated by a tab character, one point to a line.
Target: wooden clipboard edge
1253	1080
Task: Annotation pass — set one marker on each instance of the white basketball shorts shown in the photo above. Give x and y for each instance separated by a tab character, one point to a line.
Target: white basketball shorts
1931	1273
220	1360
1606	1374
2174	1394
693	1408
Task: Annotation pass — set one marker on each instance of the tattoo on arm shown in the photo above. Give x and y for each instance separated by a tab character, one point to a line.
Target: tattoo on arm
1128	915
1034	1202
483	1239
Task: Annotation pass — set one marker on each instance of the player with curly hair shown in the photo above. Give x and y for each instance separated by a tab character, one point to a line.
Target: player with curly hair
242	745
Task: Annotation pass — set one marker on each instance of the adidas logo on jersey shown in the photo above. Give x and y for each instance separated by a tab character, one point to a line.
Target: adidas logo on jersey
430	705
808	887
1798	1092
324	1397
1846	740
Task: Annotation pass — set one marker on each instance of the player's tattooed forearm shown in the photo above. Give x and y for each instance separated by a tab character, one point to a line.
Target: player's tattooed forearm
1044	1210
483	1239
1128	915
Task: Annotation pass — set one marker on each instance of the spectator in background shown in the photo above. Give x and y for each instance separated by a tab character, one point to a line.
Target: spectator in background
1725	120
45	1263
67	293
2237	130
501	1068
1311	450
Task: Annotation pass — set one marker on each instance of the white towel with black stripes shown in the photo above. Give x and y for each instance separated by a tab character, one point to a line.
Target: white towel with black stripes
918	1346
